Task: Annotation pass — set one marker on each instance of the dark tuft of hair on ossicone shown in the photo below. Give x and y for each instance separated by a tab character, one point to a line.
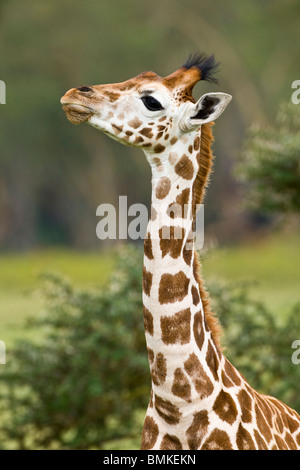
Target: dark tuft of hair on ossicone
206	65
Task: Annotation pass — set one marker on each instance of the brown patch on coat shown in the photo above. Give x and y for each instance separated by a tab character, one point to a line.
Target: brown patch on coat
290	441
195	295
281	445
225	407
197	429
148	247
184	168
246	406
225	380
135	123
151	399
150	355
198	329
128	85
263	426
279	423
183	198
166	410
212	360
177	208
156	161
170	442
171	240
285	412
153	213
175	211
147	281
147	132
159	148
260	441
148	321
201	381
187	252
112	95
117	129
150	433
218	440
197	142
163	187
231	374
181	386
172	287
244	440
265	408
159	369
176	328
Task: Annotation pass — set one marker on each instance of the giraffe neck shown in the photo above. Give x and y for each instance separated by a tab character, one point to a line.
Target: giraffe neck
198	400
180	345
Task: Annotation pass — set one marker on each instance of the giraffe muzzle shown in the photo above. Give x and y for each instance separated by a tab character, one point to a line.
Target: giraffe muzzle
77	113
75	107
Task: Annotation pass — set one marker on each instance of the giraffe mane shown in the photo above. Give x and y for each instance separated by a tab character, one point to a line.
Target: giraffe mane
200	184
205	160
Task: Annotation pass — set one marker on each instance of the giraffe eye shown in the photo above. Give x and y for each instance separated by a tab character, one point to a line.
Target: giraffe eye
151	103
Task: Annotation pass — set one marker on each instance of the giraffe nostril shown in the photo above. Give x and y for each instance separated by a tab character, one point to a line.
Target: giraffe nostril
85	89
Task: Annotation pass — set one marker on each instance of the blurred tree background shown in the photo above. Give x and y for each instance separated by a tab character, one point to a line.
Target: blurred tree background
84	346
54	175
270	162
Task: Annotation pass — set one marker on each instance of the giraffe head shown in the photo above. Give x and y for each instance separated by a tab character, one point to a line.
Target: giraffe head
149	111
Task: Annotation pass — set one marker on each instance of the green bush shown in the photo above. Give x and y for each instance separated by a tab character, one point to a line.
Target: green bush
80	386
270	163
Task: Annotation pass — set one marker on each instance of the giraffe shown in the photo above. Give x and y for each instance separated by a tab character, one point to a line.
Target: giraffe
198	399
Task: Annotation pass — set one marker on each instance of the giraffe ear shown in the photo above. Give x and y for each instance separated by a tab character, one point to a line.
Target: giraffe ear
208	108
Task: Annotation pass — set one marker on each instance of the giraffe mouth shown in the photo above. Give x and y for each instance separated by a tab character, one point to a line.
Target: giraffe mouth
76	113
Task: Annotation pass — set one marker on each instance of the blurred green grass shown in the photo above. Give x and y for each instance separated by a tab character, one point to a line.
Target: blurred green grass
19	297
